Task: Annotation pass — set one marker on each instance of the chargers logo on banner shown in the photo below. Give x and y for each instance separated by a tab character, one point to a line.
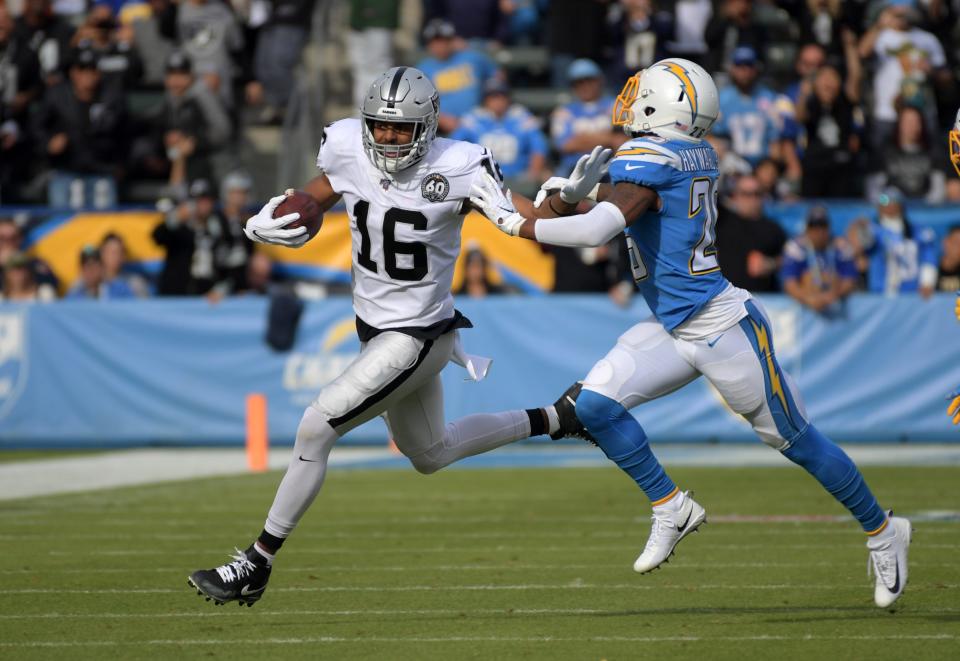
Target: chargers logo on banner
13	369
304	374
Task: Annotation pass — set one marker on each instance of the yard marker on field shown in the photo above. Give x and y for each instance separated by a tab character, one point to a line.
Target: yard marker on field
258	444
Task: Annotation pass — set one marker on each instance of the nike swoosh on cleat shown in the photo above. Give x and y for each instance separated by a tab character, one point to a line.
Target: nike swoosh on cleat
312	461
896	581
684	526
246	592
634	167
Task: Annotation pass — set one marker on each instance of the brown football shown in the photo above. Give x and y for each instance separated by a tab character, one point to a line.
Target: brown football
311	216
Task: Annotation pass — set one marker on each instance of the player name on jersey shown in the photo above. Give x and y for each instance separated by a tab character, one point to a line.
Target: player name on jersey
698	159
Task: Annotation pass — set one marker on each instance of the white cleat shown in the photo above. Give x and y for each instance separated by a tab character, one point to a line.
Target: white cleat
668	527
888	561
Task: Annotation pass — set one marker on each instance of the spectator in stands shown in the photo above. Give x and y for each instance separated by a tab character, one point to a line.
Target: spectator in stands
818	269
690	19
186	130
476	281
93	283
575	29
11	244
511	133
747	110
909	62
524	20
893	256
83	129
117	272
210	34
234	248
640	34
605	269
259	277
823	22
579	126
831	123
47	35
459	73
730	164
155	38
774	187
279	46
190	234
732	27
20	84
370	42
117	60
19	284
910	163
749	245
948	272
478	21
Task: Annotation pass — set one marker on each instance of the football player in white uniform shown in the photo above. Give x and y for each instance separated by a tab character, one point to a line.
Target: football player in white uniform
663	196
406	192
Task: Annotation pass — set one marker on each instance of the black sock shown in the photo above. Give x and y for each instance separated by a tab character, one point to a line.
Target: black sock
538	422
270	543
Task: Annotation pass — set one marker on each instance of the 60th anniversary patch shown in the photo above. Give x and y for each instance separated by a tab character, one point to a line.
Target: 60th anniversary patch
435	187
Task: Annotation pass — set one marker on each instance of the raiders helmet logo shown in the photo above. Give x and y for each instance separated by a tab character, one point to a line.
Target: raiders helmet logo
435	187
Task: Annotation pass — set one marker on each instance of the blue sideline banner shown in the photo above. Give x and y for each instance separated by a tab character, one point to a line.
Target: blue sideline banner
178	371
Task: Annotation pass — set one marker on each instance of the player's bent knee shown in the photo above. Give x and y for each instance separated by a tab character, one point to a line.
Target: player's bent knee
596	411
427	464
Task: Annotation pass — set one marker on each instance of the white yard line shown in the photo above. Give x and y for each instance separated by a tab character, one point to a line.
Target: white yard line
511	612
571	585
146	466
311	640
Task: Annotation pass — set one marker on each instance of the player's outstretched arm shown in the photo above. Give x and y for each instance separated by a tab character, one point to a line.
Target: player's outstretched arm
627	202
264	228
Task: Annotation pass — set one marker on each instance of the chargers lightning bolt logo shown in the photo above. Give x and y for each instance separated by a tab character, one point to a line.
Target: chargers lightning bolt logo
763	342
688	89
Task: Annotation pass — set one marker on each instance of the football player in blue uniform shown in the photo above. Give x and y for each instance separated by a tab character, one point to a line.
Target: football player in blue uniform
663	194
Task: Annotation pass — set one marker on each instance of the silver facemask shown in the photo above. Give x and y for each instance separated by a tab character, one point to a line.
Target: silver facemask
400	95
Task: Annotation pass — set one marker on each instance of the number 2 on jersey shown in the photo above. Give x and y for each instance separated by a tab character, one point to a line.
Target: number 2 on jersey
392	247
703	197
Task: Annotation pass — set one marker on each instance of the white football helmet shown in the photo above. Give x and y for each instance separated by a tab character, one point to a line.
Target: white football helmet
954	141
673	98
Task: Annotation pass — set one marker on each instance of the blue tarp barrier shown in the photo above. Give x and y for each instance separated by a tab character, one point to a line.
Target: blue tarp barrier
178	371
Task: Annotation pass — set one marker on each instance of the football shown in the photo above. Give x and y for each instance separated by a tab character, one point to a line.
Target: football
311	216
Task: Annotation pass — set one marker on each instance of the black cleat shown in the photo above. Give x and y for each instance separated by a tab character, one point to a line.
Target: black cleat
244	579
570	424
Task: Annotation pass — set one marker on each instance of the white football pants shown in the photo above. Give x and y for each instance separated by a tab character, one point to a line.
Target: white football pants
397	375
648	362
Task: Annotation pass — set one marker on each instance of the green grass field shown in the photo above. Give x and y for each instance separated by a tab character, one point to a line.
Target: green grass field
478	564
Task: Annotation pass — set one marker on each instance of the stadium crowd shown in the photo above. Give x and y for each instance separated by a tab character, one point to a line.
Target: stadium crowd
820	99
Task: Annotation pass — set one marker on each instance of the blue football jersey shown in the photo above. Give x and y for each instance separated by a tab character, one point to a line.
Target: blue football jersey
459	80
573	119
896	261
749	121
512	139
672	250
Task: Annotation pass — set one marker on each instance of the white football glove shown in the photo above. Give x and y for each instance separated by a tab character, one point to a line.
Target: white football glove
582	183
487	197
264	228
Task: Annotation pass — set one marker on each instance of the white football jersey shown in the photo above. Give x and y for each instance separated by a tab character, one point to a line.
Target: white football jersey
405	227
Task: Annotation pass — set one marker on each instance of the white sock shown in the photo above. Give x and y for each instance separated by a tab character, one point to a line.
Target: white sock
553	420
884	535
267	556
672	505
